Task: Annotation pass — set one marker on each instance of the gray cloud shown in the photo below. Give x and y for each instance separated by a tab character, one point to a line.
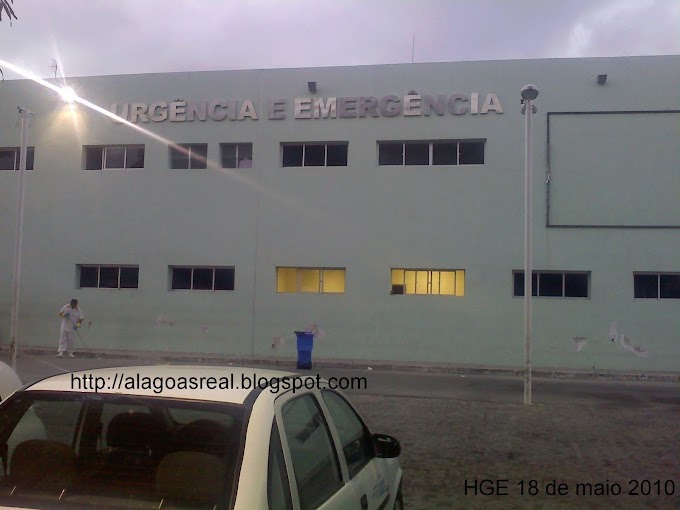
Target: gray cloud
94	37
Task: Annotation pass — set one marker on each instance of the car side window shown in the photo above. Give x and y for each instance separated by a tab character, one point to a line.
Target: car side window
315	461
355	438
278	489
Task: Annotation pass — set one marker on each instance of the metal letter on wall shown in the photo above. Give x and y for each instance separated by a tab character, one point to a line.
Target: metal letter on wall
455	106
412	105
390	106
491	103
429	104
303	108
154	115
177	111
138	110
329	109
196	109
347	107
247	110
276	109
368	105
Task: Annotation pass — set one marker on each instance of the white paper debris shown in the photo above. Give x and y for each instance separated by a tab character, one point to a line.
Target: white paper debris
204	329
579	342
635	349
612	331
278	342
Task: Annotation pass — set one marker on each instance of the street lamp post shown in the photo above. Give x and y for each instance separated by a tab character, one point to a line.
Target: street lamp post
529	94
25	114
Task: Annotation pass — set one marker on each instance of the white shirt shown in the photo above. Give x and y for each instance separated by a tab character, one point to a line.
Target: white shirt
70	318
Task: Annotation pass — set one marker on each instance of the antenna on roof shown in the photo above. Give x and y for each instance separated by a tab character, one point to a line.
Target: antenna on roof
54	66
413	48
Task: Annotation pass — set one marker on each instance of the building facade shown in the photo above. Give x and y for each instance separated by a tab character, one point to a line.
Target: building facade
383	203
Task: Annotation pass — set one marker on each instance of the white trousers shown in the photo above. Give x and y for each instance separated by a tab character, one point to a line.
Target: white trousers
66	341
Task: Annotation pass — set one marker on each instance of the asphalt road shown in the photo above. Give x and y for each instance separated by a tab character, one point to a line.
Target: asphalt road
485	388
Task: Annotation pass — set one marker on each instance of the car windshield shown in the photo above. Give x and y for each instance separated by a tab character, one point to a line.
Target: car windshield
84	450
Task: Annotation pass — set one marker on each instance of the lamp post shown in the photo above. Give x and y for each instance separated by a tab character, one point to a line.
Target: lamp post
529	94
25	114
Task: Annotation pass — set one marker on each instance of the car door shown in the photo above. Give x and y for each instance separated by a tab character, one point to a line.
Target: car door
368	474
313	466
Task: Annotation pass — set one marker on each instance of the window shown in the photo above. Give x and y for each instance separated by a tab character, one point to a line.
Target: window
236	155
109	277
202	278
464	152
356	440
310	280
278	488
314	154
553	284
656	285
449	282
315	461
10	158
189	156
113	157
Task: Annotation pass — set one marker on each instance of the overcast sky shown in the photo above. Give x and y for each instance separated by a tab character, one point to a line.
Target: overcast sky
99	37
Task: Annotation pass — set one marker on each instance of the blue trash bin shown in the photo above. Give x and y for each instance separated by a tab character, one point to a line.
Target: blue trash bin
305	344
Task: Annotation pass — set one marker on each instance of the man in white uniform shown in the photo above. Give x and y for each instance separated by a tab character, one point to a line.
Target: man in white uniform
71	319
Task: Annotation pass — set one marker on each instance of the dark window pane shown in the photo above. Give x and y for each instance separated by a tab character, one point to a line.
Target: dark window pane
108	277
7	158
88	276
471	153
417	153
203	279
114	157
550	284
129	277
245	155
445	153
278	487
179	158
315	155
576	285
228	155
391	154
646	285
30	158
518	284
670	286
199	156
292	155
181	278
224	279
135	157
93	158
336	155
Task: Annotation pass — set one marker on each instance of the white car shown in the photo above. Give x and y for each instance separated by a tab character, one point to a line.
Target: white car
174	437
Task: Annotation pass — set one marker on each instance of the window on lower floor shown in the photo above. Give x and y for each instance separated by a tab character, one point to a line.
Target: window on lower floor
310	280
314	154
108	277
444	152
189	156
554	284
236	155
656	285
202	278
10	158
444	282
113	157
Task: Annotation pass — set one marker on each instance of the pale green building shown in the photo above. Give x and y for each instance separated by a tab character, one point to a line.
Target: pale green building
383	203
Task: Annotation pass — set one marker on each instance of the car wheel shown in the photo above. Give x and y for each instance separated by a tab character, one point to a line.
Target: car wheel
399	502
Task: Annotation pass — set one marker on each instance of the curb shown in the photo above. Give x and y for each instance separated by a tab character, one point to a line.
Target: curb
432	368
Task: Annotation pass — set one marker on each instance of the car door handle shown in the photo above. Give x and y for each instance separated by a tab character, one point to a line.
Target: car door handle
364	502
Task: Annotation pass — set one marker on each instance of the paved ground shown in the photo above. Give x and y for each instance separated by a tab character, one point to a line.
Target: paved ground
456	428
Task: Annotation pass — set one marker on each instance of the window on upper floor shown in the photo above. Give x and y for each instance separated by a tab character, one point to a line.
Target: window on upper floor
554	284
108	277
189	156
113	157
10	158
310	280
443	152
314	154
236	155
444	282
656	285
202	278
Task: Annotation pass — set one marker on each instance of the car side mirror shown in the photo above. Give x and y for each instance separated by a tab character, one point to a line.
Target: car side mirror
386	447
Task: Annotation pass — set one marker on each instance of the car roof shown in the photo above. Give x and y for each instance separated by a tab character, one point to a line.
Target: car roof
144	381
